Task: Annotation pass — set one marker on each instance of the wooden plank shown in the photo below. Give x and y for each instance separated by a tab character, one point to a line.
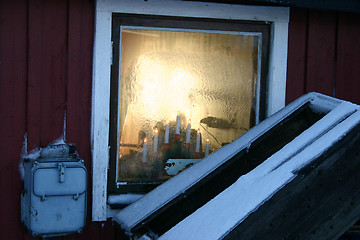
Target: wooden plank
348	53
79	75
34	78
296	71
13	73
322	202
277	68
208	187
320	72
54	39
100	109
78	109
47	68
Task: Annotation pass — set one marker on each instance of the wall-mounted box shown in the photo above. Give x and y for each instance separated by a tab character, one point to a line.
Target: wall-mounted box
53	201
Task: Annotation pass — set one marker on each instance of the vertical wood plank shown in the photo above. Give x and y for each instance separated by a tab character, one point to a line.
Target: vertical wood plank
296	74
13	73
34	70
54	35
78	110
80	38
348	53
99	138
320	72
47	71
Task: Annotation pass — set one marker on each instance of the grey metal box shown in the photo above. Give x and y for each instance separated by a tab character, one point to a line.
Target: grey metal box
53	201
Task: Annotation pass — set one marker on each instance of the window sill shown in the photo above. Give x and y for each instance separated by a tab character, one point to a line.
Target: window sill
117	202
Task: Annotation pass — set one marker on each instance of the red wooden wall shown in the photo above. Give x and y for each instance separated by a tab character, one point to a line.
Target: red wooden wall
45	80
46	74
323	54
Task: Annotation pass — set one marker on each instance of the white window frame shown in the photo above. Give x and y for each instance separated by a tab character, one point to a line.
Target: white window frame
102	59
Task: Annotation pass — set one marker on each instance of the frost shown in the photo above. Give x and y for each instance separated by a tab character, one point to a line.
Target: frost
251	190
23	153
124	199
219	216
33	154
59	141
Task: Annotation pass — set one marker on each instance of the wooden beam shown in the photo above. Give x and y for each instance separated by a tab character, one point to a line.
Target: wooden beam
322	202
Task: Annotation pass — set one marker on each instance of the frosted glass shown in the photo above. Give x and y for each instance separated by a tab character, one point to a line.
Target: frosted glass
207	80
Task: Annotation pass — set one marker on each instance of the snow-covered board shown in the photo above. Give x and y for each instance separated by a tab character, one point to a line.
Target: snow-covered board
252	158
312	199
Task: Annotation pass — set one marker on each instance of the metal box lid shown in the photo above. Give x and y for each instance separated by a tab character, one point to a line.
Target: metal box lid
59	181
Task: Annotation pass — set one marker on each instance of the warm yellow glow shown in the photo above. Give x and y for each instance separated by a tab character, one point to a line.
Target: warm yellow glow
204	79
164	89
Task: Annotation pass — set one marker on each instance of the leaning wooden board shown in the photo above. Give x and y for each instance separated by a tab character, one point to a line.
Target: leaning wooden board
322	202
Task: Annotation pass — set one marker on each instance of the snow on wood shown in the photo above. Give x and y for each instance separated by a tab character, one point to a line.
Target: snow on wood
151	202
222	214
124	199
305	139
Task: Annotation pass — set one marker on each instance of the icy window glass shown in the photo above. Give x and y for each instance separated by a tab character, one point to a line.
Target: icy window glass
183	95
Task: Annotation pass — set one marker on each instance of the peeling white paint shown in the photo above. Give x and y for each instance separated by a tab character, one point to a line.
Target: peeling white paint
35	153
278	16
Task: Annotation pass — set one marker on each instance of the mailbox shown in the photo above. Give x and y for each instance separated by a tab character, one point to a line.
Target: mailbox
53	201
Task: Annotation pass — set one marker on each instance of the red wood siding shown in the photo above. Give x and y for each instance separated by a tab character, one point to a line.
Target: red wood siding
45	80
348	50
323	54
13	75
47	46
46	76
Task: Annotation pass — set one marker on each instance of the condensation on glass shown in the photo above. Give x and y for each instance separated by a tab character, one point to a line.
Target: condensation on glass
183	95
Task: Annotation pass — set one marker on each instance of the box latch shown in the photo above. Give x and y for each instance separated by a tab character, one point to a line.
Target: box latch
61	168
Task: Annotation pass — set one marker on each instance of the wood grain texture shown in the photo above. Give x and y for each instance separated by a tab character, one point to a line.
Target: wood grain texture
45	67
47	70
79	75
320	72
13	73
78	107
322	202
46	50
297	54
348	54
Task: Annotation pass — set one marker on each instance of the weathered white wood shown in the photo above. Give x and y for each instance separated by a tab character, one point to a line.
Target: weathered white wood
279	16
196	9
100	114
277	68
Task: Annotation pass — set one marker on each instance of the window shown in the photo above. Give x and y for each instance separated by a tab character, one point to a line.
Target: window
128	29
181	89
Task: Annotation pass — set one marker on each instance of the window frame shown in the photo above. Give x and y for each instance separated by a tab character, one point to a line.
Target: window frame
102	61
170	23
